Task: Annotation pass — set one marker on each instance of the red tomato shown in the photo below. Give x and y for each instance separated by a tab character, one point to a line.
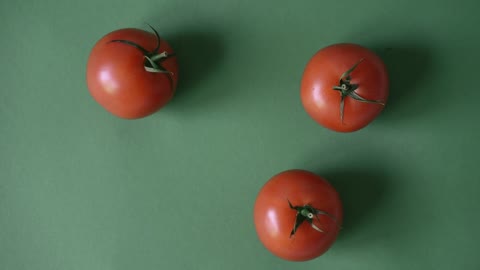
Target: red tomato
344	87
132	73
297	215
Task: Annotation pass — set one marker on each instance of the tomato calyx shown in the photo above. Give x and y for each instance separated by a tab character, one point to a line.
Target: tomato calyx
154	59
346	88
306	213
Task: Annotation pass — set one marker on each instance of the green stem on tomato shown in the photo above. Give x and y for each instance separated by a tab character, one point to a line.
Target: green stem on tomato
347	89
154	59
306	213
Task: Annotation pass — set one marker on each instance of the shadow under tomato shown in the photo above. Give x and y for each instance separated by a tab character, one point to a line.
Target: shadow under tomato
362	191
410	68
199	52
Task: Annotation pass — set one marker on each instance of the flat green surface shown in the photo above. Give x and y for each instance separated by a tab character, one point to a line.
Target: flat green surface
81	189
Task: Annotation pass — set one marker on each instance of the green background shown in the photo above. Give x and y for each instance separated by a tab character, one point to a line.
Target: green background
81	189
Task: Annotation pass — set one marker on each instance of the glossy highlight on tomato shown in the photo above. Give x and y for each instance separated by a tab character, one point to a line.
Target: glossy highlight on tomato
344	87
132	73
297	215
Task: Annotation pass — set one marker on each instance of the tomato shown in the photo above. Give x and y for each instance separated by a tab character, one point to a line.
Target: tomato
344	87
297	215
132	73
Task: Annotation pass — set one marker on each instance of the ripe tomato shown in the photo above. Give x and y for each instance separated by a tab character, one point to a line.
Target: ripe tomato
132	73
344	87
297	215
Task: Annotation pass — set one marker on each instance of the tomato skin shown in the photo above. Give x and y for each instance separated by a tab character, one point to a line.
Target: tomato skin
117	80
323	71
274	219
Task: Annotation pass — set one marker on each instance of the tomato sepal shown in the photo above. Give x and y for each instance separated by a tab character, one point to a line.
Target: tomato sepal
151	58
346	88
306	213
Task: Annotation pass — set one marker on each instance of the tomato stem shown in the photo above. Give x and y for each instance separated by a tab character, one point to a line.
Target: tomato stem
306	213
159	56
347	89
153	59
